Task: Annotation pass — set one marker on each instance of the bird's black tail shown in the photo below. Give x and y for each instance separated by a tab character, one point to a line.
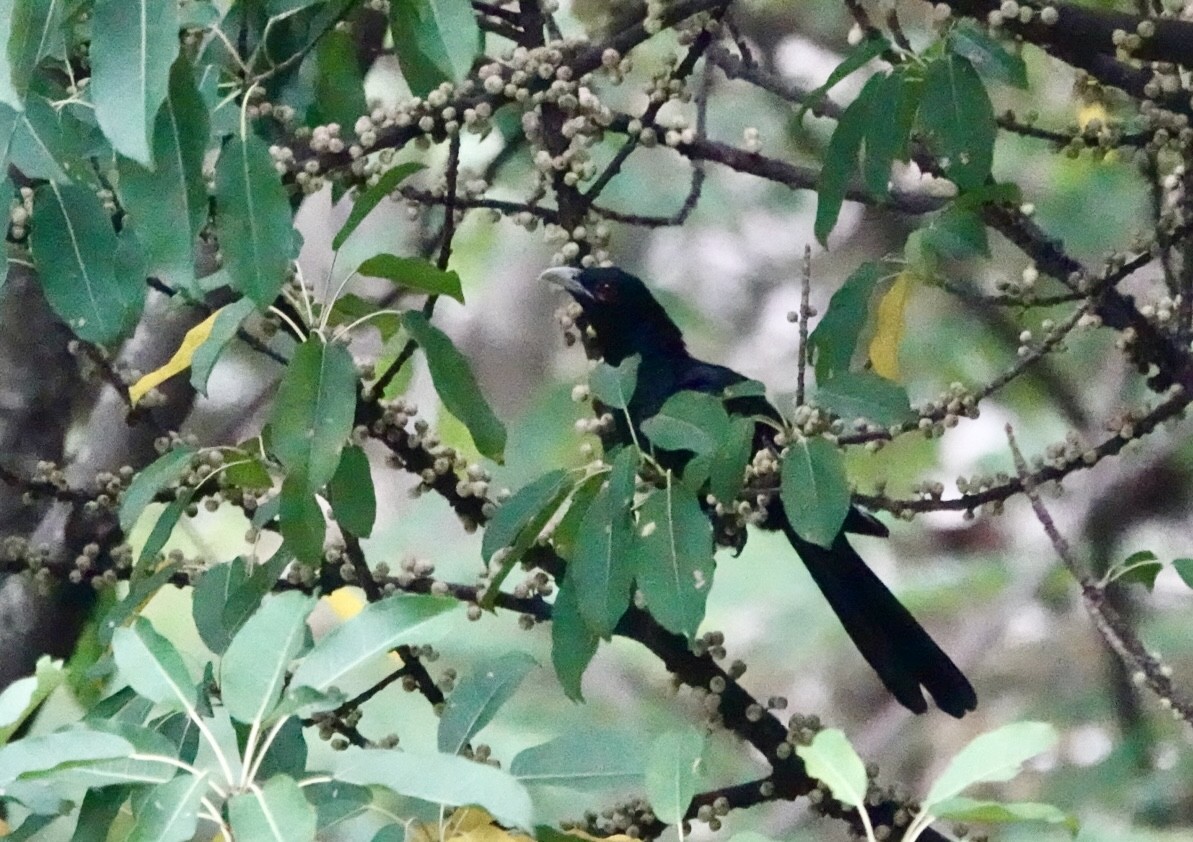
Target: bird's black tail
886	634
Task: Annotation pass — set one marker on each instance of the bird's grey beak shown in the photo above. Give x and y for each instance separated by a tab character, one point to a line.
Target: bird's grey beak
567	278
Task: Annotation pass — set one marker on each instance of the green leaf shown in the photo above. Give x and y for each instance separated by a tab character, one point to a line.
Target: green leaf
163	528
614	386
831	760
517	523
958	119
993	812
369	199
20	699
351	308
151	664
287	754
583	759
72	243
695	421
836	336
336	801
888	126
158	475
9	96
1184	569
478	697
253	670
958	233
276	812
672	770
439	40
414	273
133	44
841	158
603	566
170	811
138	593
300	520
986	54
351	493
98	813
815	490
728	466
252	219
675	558
441	779
374	631
864	394
339	82
456	385
36	33
30	755
1139	568
858	57
38	146
573	644
228	594
168	203
223	331
313	411
991	757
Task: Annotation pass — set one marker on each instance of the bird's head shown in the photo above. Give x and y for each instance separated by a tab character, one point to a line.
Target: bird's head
624	315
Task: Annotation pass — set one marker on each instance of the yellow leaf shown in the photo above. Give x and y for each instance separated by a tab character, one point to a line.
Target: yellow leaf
1091	111
345	602
888	332
178	363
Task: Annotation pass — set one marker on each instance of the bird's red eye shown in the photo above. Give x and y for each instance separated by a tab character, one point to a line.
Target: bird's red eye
605	291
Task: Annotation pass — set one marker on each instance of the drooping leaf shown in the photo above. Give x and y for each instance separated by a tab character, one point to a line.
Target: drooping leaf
694	421
835	338
603	566
227	321
300	520
863	394
36	33
252	219
253	669
987	54
517	523
478	697
163	527
832	760
133	44
675	558
861	55
573	643
351	493
374	631
888	126
728	465
152	665
583	759
179	362
277	811
456	385
441	779
364	204
439	40
815	490
958	119
414	273
888	328
313	411
672	771
841	158
168	203
164	471
991	757
614	385
339	82
72	242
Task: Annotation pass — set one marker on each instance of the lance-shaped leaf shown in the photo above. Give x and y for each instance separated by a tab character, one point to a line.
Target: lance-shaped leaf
992	757
227	321
888	126
277	811
42	753
414	273
252	219
439	40
339	81
573	643
313	411
152	665
674	556
478	697
253	670
517	523
168	204
958	118
153	478
36	33
369	199
986	54
858	58
170	811
73	242
228	594
969	810
815	490
133	44
374	631
456	385
585	759
841	158
603	566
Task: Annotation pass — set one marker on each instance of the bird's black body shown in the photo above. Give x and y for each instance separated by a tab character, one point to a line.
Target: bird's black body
627	320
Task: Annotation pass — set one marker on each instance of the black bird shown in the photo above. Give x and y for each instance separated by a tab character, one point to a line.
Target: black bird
627	320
